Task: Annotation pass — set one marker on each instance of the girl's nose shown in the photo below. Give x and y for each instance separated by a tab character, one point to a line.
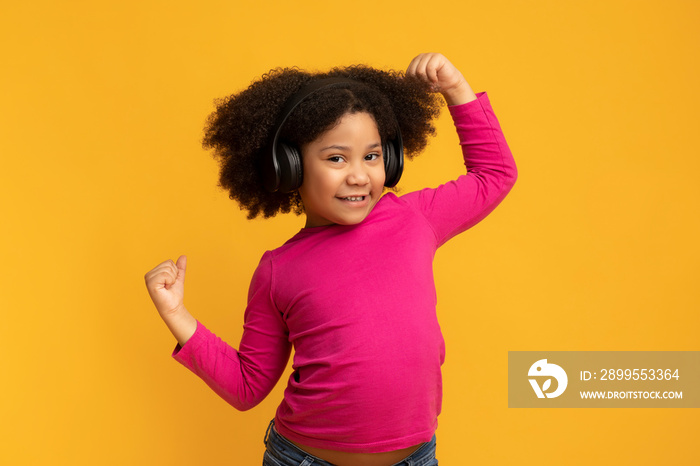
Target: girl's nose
358	175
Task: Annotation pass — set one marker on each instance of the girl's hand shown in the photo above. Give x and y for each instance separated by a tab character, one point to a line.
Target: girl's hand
437	70
166	286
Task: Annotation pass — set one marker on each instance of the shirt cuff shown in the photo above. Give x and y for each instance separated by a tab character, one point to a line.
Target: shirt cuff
181	353
482	99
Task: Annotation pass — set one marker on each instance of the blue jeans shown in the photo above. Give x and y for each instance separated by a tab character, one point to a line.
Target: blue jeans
281	452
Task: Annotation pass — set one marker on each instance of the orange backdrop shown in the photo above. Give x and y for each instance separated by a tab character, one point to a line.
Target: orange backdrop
103	177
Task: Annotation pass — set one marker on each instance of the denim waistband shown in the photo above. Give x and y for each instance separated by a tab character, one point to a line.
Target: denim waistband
282	452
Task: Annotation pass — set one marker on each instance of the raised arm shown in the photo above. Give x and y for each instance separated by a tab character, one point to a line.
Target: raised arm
242	377
459	204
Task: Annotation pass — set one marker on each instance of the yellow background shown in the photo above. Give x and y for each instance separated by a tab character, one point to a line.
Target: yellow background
103	176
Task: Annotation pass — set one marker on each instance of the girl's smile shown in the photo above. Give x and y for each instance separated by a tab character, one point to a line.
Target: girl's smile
343	172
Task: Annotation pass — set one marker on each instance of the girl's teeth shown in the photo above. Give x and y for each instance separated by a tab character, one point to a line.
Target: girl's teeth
354	198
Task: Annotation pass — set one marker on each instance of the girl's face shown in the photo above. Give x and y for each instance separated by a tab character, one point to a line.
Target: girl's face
343	172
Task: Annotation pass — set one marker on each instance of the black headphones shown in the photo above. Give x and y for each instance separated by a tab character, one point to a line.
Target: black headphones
282	166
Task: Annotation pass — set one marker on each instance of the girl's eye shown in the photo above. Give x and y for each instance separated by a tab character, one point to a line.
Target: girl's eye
335	159
372	156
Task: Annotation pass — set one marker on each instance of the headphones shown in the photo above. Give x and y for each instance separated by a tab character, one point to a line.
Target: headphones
282	166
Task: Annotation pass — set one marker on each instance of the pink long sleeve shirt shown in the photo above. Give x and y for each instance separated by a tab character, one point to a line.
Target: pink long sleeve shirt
358	304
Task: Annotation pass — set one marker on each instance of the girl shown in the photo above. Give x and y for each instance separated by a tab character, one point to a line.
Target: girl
353	291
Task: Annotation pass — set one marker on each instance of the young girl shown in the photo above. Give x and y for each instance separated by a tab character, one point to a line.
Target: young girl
353	291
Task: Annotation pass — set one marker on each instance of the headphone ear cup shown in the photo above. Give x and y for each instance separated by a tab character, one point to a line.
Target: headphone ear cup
389	163
393	162
291	174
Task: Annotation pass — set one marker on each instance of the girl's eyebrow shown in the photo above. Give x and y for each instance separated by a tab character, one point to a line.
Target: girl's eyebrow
339	147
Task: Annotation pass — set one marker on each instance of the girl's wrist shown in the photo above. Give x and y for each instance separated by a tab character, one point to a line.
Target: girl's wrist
181	324
460	94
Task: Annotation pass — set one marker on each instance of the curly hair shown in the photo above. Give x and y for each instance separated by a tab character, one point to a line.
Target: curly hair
241	126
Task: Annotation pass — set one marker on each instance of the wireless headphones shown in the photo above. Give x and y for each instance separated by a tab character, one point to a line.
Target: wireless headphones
282	166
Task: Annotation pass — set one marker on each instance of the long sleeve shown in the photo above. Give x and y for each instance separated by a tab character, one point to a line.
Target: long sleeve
460	204
243	377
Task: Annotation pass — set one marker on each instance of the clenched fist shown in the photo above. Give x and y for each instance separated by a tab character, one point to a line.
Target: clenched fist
166	286
444	77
